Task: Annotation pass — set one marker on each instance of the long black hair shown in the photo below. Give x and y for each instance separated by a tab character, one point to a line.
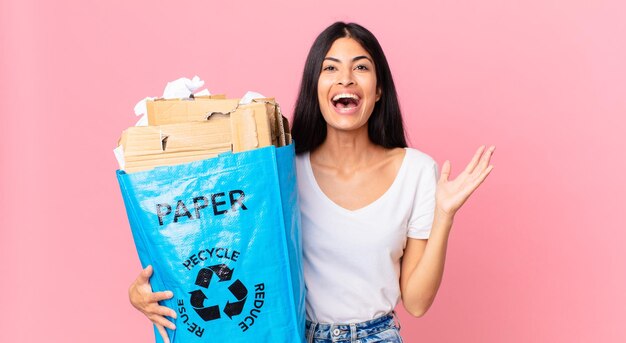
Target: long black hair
385	124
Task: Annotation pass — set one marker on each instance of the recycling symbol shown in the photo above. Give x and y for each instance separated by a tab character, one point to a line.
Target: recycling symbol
237	289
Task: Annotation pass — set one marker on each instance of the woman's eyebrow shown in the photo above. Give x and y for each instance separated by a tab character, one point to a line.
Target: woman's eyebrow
362	57
353	60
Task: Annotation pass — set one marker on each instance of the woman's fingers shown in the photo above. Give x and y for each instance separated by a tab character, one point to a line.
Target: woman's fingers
145	275
160	320
472	164
163	333
159	296
153	307
146	301
445	171
165	311
484	160
482	176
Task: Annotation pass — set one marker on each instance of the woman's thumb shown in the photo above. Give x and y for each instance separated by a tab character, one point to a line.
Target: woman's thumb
145	274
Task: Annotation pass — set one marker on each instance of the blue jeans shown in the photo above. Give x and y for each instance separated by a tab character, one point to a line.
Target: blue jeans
381	329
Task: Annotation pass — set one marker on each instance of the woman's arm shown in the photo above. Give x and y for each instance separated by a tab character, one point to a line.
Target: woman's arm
422	267
423	261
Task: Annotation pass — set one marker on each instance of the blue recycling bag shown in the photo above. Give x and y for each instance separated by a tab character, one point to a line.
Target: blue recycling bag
223	234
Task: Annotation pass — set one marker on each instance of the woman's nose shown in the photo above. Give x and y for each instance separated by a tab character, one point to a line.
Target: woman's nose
345	78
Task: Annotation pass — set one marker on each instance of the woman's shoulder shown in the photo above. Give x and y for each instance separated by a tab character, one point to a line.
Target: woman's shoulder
418	159
302	157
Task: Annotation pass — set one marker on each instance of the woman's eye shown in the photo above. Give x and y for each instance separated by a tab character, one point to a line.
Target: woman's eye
361	67
329	68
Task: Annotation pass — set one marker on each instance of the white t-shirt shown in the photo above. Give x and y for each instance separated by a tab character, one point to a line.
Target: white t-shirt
352	258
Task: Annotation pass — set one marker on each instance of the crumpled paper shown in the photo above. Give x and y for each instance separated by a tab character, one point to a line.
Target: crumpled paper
182	88
249	96
177	89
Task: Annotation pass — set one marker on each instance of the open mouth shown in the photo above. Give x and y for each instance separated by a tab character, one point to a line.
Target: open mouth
346	101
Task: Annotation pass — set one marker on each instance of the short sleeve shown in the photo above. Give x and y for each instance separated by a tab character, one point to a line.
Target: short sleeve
422	215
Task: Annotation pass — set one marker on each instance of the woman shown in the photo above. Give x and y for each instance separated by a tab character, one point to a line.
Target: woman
375	217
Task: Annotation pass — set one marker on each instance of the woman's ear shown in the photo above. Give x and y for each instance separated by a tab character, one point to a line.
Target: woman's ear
379	93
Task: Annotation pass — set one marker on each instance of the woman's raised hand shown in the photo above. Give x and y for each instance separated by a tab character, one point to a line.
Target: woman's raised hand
147	302
452	194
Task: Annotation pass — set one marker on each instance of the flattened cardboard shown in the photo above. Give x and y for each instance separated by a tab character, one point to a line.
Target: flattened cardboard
212	96
186	130
275	120
162	112
149	146
243	130
263	131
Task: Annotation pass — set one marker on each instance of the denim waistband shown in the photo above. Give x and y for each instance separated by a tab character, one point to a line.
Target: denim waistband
348	332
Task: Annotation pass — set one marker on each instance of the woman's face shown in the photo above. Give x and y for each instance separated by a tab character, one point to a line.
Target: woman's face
346	88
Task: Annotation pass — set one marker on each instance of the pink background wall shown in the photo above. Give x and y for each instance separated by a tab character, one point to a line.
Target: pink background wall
536	256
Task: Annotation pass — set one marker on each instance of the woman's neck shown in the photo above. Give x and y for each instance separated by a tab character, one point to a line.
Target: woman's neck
345	149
